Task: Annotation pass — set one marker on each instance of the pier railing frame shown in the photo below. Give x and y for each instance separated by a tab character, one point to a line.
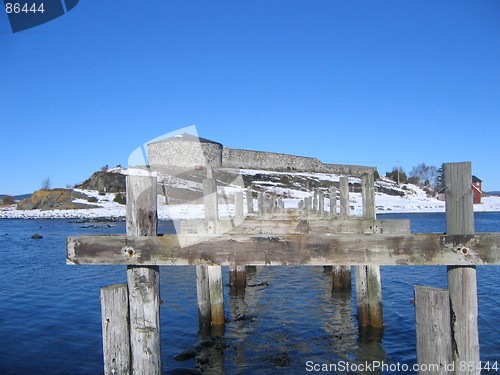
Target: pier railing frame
275	236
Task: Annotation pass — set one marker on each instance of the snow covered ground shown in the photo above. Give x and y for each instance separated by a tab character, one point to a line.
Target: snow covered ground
414	202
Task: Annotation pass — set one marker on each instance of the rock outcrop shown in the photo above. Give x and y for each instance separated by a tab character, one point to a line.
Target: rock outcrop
55	199
104	181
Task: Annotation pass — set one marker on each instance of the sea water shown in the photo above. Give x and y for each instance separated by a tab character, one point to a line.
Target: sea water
287	322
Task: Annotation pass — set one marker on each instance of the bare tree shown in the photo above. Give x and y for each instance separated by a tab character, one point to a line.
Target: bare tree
46	184
426	174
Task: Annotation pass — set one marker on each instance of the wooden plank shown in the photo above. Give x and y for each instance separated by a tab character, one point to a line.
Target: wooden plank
295	225
295	249
143	282
462	280
433	328
115	329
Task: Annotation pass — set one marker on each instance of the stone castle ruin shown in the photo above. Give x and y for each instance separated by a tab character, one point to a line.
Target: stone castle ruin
186	151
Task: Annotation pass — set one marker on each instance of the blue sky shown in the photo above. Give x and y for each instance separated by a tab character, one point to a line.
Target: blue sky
361	82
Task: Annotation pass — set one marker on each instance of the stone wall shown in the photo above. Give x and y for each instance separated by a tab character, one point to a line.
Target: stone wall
184	154
247	159
235	158
188	152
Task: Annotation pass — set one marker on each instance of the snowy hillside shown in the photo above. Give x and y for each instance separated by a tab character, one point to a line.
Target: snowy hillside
291	187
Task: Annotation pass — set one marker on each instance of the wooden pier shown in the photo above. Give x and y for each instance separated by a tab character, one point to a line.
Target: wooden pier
275	236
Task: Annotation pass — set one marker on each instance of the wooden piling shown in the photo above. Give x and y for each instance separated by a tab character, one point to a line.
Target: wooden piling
462	280
307	205
238	204
237	280
143	282
374	291
212	273
333	201
203	298
341	275
368	281
362	296
341	279
344	196
321	202
216	298
260	202
210	200
115	329
249	201
433	329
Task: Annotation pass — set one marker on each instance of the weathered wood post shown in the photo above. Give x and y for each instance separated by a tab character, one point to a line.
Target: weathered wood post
237	275
333	201
249	199
321	202
237	280
368	282
115	329
143	282
341	279
433	328
211	291
462	279
260	202
374	284
238	204
344	196
216	299
341	275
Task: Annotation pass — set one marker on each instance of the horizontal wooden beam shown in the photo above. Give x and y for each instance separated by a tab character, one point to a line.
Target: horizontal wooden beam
294	249
297	225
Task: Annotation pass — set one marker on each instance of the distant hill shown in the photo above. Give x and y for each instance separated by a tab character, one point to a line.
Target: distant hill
16	197
496	193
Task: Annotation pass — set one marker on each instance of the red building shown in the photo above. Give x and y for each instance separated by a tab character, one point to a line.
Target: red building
477	191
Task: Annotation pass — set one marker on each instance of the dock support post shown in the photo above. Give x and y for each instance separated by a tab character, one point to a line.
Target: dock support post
321	202
211	276
369	290
115	329
344	196
333	201
341	275
237	280
143	282
462	284
238	204
249	199
341	279
433	328
216	299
